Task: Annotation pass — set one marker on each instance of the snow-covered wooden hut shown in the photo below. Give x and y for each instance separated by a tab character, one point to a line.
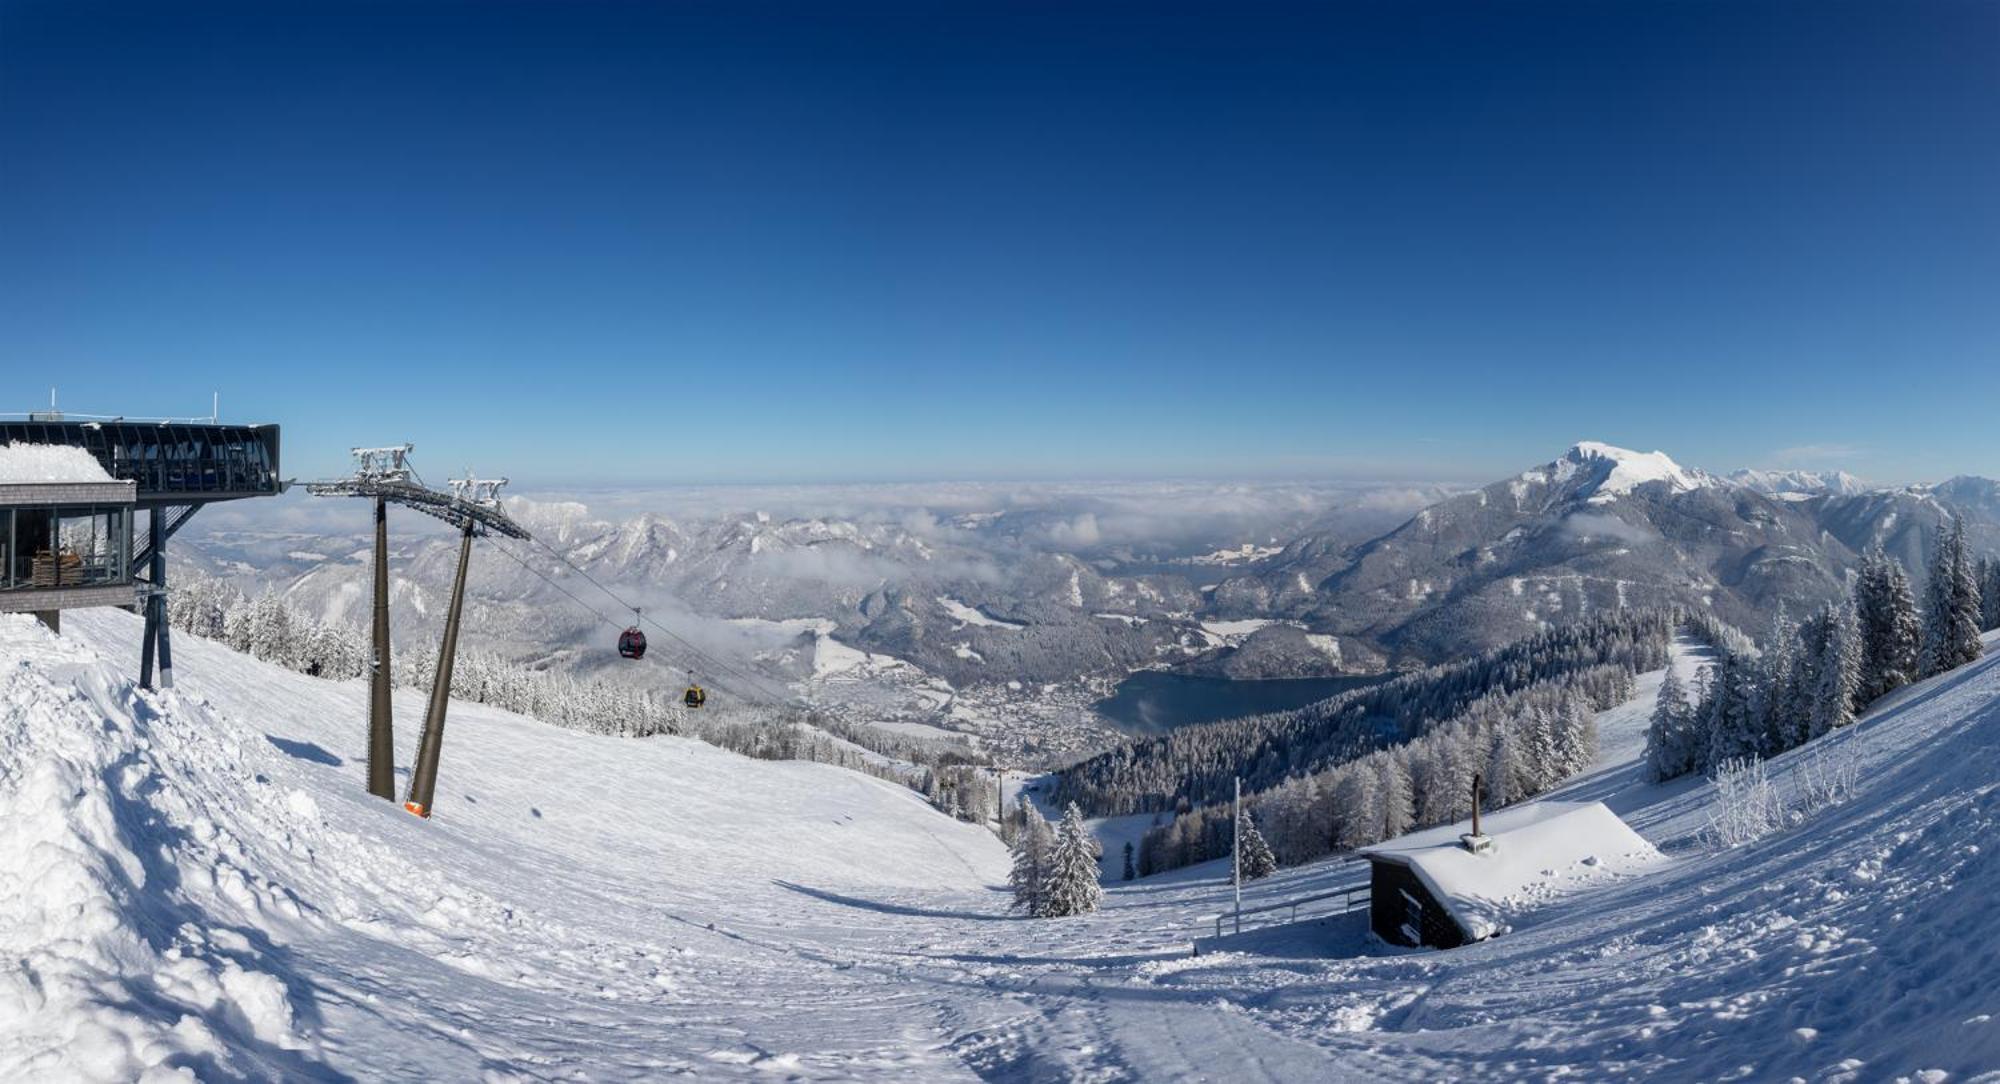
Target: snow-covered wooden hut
1445	887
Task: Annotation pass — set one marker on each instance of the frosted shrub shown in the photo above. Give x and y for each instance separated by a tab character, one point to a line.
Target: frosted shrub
1747	806
1826	776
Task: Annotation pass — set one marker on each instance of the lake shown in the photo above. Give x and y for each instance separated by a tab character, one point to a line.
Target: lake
1154	701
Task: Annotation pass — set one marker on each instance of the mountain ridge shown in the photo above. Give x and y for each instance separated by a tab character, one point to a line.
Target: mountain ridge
1599	526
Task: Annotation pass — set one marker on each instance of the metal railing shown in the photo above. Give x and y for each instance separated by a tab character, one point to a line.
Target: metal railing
1346	895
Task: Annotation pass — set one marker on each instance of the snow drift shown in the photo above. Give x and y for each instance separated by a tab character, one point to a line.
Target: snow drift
49	463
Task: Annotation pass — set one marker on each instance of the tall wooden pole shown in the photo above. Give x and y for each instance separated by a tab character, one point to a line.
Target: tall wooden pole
423	781
381	734
1236	852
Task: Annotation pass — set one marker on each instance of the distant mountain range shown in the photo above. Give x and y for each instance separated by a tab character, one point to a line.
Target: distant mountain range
1068	591
1602	527
1054	591
1797	484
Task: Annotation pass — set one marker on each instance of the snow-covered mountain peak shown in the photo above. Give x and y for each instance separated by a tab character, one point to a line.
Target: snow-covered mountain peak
647	537
1606	472
1798	483
567	521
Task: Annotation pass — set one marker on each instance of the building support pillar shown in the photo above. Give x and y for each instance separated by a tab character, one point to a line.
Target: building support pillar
423	780
153	641
166	652
381	736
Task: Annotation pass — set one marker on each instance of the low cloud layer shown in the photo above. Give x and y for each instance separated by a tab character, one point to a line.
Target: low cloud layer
1595	527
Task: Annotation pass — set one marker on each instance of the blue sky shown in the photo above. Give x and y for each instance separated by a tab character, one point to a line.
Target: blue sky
660	243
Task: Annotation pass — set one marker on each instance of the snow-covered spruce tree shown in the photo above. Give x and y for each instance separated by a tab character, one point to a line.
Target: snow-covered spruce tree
1734	731
1891	634
1839	671
1071	887
1503	768
270	630
1542	763
1779	720
236	629
1670	737
1576	735
1951	606
1392	789
1257	859
1989	593
1357	813
1802	688
1441	768
1033	844
1701	707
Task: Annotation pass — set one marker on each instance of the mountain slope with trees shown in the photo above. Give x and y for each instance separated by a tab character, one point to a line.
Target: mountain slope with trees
1196	765
1603	528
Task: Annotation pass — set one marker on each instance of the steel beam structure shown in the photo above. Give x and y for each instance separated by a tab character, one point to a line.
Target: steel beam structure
473	506
155	641
423	779
381	723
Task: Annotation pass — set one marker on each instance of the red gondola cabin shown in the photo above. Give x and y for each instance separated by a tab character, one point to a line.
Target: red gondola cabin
632	643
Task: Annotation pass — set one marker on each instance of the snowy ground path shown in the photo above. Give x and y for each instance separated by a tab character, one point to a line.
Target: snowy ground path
198	880
1618	777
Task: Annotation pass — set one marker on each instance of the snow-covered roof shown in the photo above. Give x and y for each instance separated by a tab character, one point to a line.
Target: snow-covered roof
49	463
1540	850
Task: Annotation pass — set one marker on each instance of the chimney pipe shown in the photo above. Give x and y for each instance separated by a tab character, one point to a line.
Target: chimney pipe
1475	802
1474	841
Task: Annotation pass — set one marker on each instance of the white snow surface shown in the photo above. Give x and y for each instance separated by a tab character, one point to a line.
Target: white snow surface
49	463
1629	469
196	881
971	616
1539	851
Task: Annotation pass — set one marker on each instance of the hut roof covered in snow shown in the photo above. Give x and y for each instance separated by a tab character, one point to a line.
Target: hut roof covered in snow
1540	851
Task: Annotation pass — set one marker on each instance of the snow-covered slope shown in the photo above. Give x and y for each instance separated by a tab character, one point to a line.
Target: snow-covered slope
197	881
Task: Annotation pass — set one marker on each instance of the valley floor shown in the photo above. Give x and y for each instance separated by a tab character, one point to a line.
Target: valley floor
197	880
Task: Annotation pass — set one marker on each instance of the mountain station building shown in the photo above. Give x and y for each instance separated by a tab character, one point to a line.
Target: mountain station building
71	494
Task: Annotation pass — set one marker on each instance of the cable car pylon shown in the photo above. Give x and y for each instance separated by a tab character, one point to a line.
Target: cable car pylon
473	506
476	507
380	474
381	737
